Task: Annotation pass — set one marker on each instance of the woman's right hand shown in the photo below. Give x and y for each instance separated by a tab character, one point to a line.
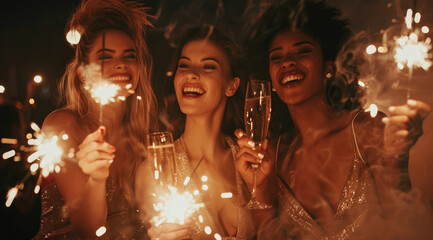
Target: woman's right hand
169	231
249	154
95	155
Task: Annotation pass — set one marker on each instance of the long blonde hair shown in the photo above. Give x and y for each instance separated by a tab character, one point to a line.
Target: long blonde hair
90	18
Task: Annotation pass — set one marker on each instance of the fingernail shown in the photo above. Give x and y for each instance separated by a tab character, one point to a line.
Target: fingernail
260	155
411	102
110	161
391	109
251	143
385	120
241	134
259	161
112	148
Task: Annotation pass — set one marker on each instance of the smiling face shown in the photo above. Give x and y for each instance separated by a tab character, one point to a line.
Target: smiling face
296	67
202	80
118	57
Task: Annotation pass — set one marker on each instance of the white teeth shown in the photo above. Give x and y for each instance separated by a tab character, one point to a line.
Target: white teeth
193	90
119	78
291	78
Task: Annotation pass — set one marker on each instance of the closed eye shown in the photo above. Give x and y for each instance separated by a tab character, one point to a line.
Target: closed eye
275	57
304	51
209	67
182	65
131	56
104	57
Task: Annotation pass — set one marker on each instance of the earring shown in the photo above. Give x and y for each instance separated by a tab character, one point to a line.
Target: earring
328	75
273	89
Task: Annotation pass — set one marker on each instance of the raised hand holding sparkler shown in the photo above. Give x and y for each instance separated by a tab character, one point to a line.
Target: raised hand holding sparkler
95	155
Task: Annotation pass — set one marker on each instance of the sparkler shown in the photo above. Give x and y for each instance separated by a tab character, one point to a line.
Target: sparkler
46	156
103	93
410	51
175	207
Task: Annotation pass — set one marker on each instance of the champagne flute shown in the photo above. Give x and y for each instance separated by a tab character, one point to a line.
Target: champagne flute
257	118
161	156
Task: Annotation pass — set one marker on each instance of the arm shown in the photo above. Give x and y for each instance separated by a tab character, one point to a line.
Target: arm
82	185
402	129
385	143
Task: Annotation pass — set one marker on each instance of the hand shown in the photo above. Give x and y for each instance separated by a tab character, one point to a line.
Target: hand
169	231
95	155
250	154
404	126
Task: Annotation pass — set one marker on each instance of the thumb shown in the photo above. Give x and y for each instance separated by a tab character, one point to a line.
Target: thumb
100	136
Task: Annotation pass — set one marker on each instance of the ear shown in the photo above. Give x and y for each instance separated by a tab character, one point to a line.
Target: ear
233	86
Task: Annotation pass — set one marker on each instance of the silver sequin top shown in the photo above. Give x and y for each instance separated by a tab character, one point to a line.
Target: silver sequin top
246	226
55	223
358	193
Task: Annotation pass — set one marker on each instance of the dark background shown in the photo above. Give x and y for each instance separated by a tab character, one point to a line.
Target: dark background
32	41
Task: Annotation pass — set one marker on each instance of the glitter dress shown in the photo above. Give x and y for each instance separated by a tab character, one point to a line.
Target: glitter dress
358	193
246	226
55	223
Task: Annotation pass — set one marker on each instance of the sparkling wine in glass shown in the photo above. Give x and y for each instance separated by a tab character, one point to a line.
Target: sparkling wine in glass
257	118
161	155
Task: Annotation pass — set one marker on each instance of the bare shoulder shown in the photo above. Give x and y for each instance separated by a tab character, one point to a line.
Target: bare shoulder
369	133
63	121
365	125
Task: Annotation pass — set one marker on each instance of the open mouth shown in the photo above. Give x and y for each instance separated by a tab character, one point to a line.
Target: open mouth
289	78
120	79
193	91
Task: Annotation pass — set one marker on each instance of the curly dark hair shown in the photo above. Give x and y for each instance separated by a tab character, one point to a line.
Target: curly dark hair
233	113
325	25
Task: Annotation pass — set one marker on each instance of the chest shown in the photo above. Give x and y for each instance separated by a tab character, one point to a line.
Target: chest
213	177
318	174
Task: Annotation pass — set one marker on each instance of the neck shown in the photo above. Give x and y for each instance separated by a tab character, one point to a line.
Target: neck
203	137
315	120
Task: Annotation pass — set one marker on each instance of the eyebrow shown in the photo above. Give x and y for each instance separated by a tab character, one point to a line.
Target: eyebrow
294	45
105	49
129	50
204	59
112	51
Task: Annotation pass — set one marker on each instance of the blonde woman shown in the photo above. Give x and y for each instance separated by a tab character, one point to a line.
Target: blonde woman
98	190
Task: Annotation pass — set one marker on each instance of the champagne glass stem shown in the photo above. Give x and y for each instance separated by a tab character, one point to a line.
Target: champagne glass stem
253	191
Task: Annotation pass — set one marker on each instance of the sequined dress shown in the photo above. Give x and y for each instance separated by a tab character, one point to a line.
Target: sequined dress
246	225
55	223
358	193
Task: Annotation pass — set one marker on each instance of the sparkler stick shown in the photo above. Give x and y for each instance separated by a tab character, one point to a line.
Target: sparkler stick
102	74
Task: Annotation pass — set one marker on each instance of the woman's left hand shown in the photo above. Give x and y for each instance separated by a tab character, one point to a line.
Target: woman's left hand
404	126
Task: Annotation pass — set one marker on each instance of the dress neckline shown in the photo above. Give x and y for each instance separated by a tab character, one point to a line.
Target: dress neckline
345	191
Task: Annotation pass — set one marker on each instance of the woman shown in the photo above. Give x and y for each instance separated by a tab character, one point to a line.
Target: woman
330	163
97	189
208	86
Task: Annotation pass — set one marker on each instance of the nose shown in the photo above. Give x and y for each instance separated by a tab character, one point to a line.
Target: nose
288	62
192	75
120	65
